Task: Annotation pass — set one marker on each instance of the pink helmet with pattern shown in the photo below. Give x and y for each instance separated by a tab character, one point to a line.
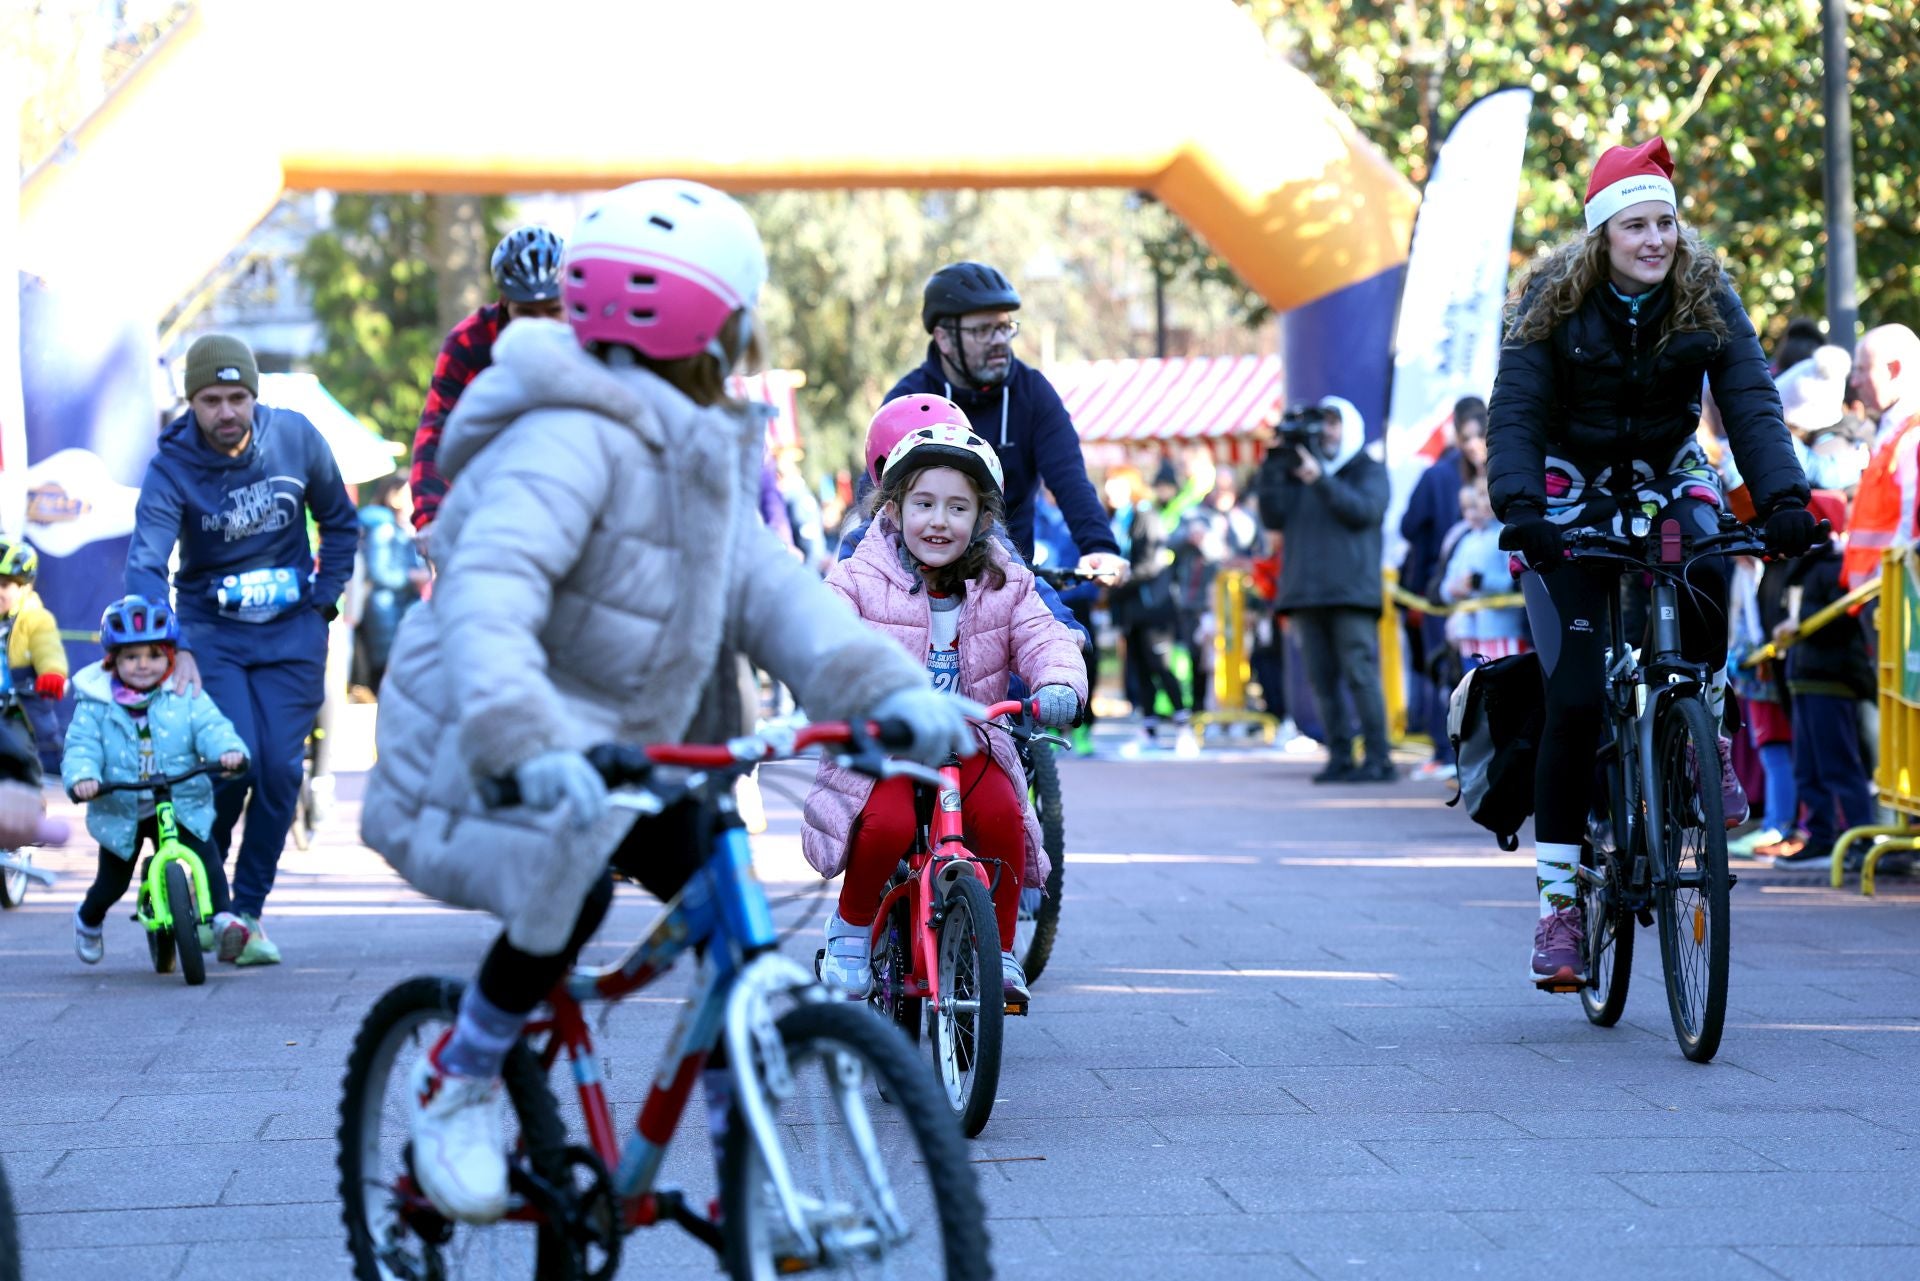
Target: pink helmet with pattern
658	266
898	417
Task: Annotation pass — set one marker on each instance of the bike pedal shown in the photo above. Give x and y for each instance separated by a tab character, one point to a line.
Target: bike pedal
1016	1007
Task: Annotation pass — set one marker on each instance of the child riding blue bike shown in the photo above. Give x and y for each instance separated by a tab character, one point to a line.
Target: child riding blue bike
130	726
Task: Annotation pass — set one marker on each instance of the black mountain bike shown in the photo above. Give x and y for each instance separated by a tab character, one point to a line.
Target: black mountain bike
1665	854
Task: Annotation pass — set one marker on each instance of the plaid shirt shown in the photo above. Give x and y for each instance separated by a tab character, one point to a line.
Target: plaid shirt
468	350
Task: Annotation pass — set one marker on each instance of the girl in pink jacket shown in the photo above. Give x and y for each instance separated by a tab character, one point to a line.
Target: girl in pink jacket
931	574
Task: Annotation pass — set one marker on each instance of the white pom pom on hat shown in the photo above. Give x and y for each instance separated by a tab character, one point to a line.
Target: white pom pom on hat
1626	176
1813	393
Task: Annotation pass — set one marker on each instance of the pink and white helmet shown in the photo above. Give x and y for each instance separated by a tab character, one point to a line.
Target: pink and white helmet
658	266
946	445
898	417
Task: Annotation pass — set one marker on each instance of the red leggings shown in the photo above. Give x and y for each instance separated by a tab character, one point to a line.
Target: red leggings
883	833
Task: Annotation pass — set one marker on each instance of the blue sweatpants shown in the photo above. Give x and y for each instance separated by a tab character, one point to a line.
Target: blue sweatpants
268	679
1829	767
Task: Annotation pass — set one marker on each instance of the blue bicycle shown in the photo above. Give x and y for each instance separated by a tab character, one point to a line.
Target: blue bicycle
813	1178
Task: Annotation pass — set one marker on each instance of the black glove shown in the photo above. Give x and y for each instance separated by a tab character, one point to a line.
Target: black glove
1536	538
1792	531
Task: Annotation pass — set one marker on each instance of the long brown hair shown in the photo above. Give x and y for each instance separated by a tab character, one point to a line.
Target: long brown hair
977	561
700	375
1561	280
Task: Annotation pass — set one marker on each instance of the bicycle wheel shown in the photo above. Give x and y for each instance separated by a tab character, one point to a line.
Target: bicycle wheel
9	1233
971	1015
1034	933
393	1232
885	1193
13	885
1692	886
1609	931
186	923
893	972
159	941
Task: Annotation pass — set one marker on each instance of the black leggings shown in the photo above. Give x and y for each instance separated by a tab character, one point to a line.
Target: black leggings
1147	661
662	853
1567	611
114	874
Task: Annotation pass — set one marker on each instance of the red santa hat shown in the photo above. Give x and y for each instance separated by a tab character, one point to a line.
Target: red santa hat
1627	176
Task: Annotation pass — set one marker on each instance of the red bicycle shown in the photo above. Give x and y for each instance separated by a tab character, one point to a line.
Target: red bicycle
936	941
812	1179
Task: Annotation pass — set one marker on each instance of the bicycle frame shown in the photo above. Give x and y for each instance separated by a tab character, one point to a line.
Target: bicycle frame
167	849
933	866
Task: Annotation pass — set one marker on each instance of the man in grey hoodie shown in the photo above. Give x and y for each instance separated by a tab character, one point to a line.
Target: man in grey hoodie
232	485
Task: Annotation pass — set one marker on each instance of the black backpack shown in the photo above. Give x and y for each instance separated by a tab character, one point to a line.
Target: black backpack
1495	721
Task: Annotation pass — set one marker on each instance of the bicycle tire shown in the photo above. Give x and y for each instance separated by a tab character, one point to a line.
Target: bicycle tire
1694	942
159	941
962	1250
893	971
966	1045
9	1232
13	885
186	923
1609	933
393	1018
1043	778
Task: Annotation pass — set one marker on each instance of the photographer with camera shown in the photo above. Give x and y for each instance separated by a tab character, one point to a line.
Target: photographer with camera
1324	491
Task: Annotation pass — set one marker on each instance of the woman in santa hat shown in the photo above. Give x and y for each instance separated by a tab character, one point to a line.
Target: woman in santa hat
1609	338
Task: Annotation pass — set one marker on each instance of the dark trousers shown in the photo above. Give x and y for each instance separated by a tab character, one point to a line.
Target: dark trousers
1147	670
114	874
1341	650
1269	664
661	852
1829	770
269	680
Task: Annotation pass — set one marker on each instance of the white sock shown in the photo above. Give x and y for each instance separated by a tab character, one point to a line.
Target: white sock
1716	697
1554	866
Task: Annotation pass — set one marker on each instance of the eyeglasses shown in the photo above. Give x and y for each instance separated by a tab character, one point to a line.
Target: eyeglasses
990	333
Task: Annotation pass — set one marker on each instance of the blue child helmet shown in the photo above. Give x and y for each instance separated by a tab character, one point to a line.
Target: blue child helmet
135	620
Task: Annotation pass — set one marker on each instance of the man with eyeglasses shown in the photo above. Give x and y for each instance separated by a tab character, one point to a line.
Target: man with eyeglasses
968	309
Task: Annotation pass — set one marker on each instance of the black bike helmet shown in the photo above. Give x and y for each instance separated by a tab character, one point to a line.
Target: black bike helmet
963	288
526	265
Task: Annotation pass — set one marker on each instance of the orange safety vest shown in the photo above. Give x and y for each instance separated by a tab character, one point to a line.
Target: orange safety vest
1884	507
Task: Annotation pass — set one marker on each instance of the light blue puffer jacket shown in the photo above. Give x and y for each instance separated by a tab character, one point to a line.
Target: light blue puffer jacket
103	744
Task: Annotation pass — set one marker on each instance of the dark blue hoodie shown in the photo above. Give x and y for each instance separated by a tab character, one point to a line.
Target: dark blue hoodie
1033	434
241	515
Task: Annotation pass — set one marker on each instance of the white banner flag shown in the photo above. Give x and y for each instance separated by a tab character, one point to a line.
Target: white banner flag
1447	340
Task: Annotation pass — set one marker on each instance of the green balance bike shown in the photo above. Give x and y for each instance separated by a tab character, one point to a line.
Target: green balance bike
174	907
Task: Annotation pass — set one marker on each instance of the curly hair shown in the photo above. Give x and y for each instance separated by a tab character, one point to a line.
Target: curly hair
1551	288
978	561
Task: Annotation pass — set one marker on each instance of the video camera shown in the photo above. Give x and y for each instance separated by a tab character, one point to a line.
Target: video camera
1301	428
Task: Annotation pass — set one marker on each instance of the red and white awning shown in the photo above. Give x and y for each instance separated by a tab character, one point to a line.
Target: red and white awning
774	388
1195	398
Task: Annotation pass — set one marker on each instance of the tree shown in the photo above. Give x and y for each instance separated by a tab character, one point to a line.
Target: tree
375	290
1734	86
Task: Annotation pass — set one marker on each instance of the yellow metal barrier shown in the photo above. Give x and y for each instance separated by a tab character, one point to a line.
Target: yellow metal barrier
1392	678
1896	771
1232	662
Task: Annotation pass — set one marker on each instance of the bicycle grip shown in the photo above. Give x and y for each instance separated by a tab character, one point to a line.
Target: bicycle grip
893	732
499	793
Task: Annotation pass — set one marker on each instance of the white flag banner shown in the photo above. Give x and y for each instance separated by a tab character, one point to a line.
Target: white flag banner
1447	340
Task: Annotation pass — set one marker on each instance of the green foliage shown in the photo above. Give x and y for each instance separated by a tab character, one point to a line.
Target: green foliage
374	282
1735	85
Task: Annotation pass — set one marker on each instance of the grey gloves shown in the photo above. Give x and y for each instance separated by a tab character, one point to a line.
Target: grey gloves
935	720
563	777
1056	705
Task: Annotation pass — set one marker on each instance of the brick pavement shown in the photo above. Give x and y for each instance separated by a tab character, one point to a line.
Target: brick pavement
1286	1034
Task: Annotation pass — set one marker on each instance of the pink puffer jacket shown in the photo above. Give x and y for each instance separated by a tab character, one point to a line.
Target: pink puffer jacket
1001	632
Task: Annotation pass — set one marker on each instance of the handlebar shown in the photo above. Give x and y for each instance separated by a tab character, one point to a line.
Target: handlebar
1668	546
1062	579
172	780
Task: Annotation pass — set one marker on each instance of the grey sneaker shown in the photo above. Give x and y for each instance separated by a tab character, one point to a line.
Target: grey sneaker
88	944
847	966
232	936
1013	979
1559	951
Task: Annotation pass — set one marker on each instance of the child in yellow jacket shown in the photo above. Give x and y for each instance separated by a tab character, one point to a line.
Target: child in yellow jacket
32	633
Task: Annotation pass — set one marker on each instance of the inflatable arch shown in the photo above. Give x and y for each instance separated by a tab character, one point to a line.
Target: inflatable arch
1181	98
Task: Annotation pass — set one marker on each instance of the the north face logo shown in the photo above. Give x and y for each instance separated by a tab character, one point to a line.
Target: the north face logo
230	374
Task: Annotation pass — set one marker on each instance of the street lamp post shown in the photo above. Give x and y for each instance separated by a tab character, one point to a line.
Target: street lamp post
1842	299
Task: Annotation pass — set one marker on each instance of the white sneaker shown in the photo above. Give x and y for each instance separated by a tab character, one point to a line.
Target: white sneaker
847	968
88	945
1013	979
321	790
459	1142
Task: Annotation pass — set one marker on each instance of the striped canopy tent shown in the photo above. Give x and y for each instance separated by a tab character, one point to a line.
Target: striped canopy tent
1229	402
774	388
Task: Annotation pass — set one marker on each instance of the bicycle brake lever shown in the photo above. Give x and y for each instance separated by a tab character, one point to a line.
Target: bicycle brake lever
910	769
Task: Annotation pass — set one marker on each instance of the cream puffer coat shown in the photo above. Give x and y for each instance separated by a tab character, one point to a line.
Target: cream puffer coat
603	571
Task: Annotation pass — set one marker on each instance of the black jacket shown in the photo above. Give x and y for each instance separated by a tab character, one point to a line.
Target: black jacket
1032	432
1833	660
1331	529
1596	391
